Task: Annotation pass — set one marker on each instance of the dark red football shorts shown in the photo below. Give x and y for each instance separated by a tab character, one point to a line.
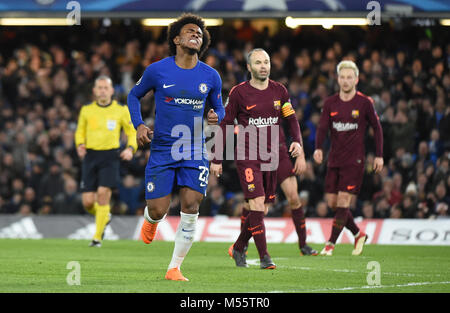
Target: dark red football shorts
347	178
285	167
256	183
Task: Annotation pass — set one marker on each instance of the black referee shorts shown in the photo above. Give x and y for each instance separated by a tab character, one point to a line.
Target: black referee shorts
100	168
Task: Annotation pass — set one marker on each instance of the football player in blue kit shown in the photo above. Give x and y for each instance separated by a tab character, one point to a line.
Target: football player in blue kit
182	86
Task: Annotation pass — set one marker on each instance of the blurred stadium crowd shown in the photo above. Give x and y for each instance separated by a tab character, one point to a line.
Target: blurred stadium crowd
46	76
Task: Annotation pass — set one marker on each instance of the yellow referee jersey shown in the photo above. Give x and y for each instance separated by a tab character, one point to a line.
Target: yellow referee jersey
99	127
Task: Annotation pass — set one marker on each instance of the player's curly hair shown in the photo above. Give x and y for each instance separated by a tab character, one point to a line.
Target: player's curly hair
175	28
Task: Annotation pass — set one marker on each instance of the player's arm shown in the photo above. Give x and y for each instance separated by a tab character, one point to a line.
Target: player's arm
127	126
296	147
215	99
321	133
288	113
230	115
144	85
80	134
374	121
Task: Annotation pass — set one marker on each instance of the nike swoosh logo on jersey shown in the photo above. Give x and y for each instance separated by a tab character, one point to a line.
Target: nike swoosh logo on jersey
250	107
187	230
167	86
351	187
334	113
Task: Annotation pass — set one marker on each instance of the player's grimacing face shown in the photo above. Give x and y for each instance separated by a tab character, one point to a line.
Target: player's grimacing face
191	37
259	65
347	80
103	91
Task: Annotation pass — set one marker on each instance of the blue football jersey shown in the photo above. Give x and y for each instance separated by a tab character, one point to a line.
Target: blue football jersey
180	99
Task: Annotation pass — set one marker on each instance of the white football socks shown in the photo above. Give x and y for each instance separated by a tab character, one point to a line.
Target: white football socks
149	219
184	238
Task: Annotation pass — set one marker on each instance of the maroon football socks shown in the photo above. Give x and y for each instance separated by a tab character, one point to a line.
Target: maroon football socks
340	220
298	217
245	234
351	225
253	227
258	231
244	215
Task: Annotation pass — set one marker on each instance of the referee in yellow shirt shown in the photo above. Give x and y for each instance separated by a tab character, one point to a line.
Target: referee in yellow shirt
97	139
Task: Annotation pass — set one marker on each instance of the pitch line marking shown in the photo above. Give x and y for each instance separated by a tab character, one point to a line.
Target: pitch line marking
366	287
255	262
347	271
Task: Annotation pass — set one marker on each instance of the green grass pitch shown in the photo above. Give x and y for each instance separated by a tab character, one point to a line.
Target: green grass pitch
131	266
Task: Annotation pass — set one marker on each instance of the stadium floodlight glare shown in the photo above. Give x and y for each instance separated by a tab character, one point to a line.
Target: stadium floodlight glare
325	22
445	22
34	22
167	21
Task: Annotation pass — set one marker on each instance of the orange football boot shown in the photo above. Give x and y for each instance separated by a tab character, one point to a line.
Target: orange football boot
175	274
148	231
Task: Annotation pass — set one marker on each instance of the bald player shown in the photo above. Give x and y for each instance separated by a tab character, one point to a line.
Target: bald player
258	105
97	139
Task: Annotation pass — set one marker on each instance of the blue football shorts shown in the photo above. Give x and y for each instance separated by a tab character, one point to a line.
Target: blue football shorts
163	174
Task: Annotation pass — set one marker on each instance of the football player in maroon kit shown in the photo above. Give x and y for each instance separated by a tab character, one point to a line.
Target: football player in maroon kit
258	104
286	179
346	115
